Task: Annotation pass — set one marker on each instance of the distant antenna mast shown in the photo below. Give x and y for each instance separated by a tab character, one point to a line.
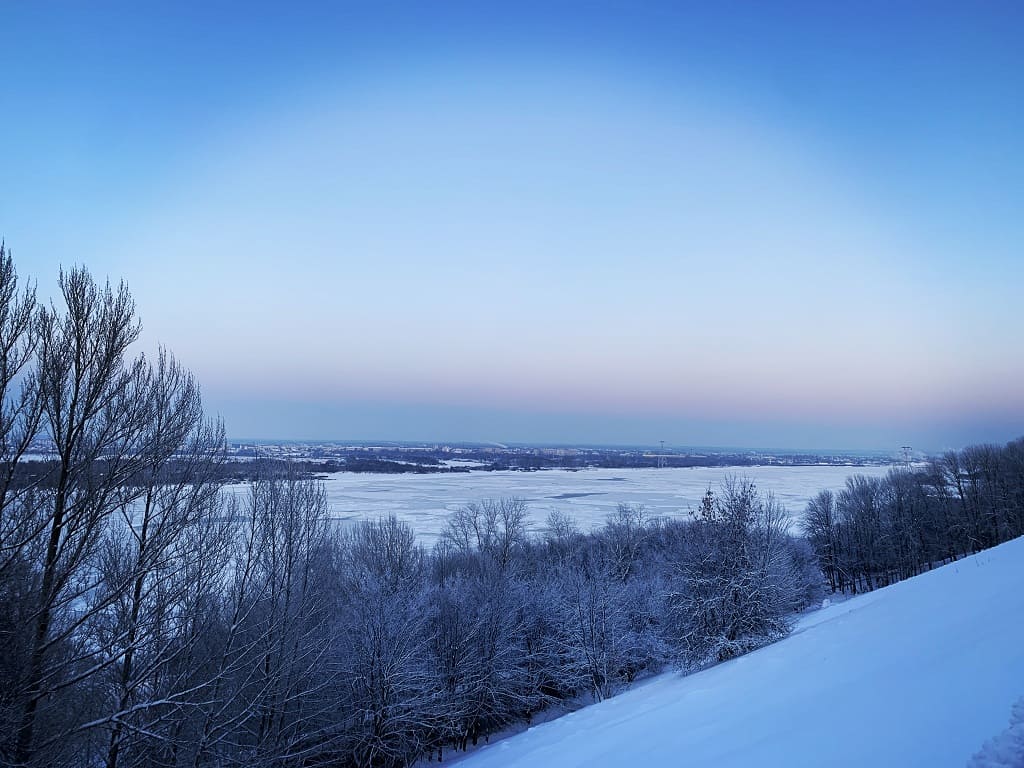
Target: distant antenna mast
661	455
906	455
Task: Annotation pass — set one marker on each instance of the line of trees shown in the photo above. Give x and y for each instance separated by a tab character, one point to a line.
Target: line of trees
880	530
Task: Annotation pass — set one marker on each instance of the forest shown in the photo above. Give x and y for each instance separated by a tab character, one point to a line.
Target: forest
149	618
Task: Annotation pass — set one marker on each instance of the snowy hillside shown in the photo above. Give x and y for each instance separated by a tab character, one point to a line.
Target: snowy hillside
922	673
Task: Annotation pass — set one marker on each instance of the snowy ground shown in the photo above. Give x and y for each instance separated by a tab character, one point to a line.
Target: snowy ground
922	673
590	495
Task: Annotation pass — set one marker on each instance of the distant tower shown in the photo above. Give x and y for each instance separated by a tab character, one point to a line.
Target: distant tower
661	455
906	455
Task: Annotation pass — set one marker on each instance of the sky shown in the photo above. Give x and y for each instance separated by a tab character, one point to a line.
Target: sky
747	224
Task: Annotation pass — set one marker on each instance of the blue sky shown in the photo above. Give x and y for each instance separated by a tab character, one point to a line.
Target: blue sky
736	223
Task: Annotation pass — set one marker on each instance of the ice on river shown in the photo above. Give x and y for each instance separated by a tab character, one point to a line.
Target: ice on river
589	495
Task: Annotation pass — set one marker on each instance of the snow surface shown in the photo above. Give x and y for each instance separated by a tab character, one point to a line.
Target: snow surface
922	673
590	495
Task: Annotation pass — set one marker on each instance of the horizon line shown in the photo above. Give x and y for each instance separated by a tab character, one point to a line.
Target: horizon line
548	444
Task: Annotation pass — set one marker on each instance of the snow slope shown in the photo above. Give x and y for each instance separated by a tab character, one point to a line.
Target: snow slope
922	673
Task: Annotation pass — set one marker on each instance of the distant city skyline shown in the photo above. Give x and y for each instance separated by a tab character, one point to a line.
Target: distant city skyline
794	225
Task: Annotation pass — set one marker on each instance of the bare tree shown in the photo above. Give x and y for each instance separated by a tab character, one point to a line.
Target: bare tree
493	527
95	412
736	589
152	547
20	413
626	533
296	620
820	526
383	646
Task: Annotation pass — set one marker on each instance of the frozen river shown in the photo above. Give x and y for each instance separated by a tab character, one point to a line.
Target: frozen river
589	495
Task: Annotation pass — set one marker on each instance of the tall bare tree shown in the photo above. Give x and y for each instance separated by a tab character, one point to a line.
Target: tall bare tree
95	411
20	408
152	546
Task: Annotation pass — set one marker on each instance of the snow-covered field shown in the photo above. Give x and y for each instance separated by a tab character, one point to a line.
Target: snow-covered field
590	495
922	673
